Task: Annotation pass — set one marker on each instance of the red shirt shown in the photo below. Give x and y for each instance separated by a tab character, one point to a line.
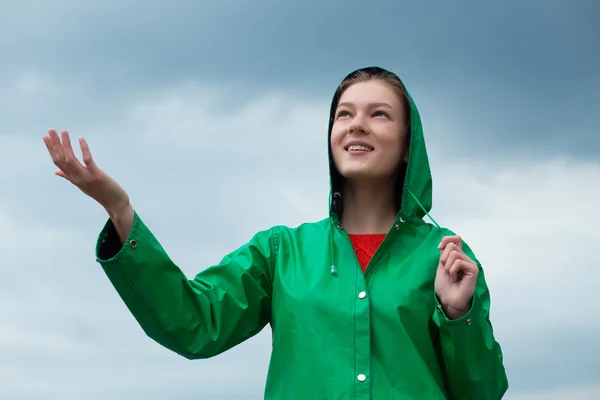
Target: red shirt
365	247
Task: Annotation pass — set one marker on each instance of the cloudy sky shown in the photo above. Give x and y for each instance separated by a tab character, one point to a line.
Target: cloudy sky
213	116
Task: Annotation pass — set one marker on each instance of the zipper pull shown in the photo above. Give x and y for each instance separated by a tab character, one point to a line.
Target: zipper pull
333	270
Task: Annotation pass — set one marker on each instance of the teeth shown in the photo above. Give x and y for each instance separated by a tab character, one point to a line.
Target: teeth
356	147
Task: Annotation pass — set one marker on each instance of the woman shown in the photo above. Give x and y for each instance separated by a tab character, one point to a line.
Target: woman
369	303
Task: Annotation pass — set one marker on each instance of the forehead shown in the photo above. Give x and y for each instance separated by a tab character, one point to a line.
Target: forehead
373	91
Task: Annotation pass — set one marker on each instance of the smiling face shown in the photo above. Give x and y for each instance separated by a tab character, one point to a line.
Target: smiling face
368	137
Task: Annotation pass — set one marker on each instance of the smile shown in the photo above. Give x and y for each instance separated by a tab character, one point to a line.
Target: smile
358	147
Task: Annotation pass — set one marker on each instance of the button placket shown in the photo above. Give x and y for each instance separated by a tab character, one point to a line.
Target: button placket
362	340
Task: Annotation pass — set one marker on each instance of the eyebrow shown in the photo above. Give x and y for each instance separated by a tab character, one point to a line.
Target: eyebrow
371	105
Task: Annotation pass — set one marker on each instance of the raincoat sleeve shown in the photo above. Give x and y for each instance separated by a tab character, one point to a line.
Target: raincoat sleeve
472	358
198	318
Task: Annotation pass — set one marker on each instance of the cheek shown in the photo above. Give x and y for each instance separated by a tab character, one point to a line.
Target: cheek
388	143
393	147
337	135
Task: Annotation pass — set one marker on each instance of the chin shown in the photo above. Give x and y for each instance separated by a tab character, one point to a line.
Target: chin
359	174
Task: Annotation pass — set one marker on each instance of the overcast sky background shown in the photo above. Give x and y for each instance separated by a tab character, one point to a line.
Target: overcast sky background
213	115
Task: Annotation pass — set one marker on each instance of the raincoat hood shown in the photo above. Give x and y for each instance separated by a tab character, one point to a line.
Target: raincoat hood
414	188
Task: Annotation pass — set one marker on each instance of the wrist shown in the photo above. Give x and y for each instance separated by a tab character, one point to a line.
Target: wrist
119	212
122	217
454	311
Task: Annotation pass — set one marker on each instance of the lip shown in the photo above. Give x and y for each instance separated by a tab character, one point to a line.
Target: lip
358	143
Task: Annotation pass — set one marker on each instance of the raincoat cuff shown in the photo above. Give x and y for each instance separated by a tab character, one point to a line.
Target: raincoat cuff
441	319
108	246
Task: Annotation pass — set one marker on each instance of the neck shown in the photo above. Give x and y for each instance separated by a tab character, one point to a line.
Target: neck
369	207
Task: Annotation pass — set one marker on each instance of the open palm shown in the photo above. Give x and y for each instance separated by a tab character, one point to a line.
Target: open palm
90	179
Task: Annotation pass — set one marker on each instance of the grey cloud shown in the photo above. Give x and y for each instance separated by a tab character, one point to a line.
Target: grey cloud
520	77
183	38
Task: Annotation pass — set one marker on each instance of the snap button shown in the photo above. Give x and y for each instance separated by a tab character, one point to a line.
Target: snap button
468	321
361	377
133	243
362	295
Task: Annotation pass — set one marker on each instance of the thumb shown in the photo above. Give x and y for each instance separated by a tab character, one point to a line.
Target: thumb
61	174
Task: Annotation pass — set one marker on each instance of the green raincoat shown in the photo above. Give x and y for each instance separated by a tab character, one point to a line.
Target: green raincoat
338	333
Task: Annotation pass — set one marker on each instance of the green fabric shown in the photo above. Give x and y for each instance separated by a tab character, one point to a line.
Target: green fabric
306	283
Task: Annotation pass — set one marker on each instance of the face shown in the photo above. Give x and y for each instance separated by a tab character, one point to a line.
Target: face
368	138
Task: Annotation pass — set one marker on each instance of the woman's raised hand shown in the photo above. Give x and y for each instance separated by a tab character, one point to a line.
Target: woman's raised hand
90	179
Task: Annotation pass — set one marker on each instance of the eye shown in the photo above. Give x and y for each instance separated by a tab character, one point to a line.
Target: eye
381	114
343	113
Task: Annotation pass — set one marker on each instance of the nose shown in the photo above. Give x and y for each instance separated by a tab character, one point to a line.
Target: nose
357	126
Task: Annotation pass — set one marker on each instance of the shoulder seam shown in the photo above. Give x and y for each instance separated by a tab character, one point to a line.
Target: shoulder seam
275	239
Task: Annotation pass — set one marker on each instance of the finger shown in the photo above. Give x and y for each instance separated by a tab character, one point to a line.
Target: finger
461	268
457	269
457	257
447	251
71	162
456	254
61	174
58	149
457	240
66	163
87	155
50	147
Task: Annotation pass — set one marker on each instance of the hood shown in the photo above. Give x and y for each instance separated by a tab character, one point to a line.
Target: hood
414	186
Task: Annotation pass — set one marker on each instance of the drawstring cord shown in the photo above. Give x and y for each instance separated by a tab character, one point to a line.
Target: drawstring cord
424	210
332	249
460	275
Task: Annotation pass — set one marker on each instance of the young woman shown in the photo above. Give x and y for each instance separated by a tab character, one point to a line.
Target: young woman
369	303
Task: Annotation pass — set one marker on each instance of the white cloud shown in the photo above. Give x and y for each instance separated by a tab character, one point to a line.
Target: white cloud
532	226
205	182
567	393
